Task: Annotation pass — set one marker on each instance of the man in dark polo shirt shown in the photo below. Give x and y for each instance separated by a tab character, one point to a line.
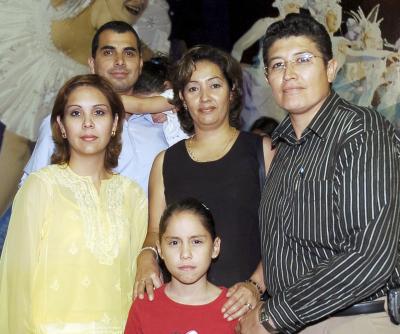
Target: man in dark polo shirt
330	210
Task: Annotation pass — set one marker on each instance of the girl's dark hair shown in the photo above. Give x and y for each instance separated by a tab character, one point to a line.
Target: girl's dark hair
183	70
62	152
195	207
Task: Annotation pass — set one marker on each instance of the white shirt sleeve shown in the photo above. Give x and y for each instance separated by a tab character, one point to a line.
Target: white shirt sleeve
171	127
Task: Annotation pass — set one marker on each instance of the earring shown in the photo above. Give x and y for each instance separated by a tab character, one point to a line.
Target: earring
63	134
185	106
112	133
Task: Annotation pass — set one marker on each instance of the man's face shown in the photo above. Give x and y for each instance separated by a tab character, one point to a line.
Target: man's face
302	81
118	60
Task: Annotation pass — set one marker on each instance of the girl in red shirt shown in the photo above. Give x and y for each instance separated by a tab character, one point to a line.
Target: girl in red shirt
189	303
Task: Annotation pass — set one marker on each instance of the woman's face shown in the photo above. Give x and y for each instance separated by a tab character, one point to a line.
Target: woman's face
332	21
207	96
291	7
128	11
88	122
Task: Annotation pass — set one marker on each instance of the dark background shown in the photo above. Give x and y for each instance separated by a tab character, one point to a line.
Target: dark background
389	10
222	22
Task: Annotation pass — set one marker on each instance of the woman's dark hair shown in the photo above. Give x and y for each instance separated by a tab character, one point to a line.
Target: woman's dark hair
193	206
183	70
152	79
265	125
295	25
62	151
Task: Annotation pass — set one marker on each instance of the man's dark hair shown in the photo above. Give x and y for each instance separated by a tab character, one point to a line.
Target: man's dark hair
295	25
118	27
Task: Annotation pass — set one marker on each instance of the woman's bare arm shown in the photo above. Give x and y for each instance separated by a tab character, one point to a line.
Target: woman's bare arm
148	274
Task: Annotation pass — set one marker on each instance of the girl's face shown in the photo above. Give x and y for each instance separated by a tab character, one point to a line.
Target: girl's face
207	96
88	122
187	248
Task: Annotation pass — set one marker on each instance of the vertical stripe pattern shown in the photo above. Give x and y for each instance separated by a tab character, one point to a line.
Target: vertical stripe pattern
330	214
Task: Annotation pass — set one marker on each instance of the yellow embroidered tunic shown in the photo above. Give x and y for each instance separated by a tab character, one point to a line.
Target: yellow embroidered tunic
69	260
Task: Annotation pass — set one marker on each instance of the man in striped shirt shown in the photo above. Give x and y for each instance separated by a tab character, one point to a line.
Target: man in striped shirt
330	209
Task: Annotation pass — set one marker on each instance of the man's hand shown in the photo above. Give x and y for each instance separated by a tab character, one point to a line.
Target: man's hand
242	297
148	275
249	324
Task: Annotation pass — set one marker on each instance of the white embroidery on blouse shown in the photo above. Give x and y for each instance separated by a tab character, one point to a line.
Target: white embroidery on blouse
105	319
101	213
86	282
73	249
55	285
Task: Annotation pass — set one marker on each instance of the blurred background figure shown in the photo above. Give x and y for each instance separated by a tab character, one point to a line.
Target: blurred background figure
264	126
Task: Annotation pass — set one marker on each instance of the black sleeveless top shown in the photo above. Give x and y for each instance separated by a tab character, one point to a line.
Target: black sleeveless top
230	187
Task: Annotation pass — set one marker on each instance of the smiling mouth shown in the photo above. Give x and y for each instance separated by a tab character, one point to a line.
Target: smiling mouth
119	73
292	90
207	109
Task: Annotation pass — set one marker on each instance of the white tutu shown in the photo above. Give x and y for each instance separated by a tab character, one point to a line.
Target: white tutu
154	26
32	69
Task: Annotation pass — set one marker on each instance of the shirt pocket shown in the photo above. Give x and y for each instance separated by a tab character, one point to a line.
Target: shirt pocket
313	212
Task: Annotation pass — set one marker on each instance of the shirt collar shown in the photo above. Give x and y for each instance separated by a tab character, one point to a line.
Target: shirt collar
284	131
318	125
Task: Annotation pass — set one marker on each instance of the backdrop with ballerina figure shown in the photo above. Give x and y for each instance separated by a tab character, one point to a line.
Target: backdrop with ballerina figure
365	39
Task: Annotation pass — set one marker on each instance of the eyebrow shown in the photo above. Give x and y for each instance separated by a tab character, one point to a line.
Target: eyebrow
110	47
209	79
191	237
95	105
295	54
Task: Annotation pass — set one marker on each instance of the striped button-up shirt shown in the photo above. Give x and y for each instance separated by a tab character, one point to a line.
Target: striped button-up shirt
330	214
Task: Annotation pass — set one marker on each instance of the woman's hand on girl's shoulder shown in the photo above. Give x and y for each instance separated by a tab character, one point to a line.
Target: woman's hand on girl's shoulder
148	277
242	297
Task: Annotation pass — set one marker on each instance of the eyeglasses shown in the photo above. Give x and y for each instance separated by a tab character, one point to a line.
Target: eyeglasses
300	62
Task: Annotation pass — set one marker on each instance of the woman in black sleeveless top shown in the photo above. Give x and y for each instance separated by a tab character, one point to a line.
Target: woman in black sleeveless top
219	166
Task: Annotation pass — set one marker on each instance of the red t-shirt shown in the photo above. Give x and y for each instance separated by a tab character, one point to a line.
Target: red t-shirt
164	316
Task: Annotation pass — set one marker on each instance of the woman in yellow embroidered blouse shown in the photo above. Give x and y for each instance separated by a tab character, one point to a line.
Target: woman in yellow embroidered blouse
69	260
